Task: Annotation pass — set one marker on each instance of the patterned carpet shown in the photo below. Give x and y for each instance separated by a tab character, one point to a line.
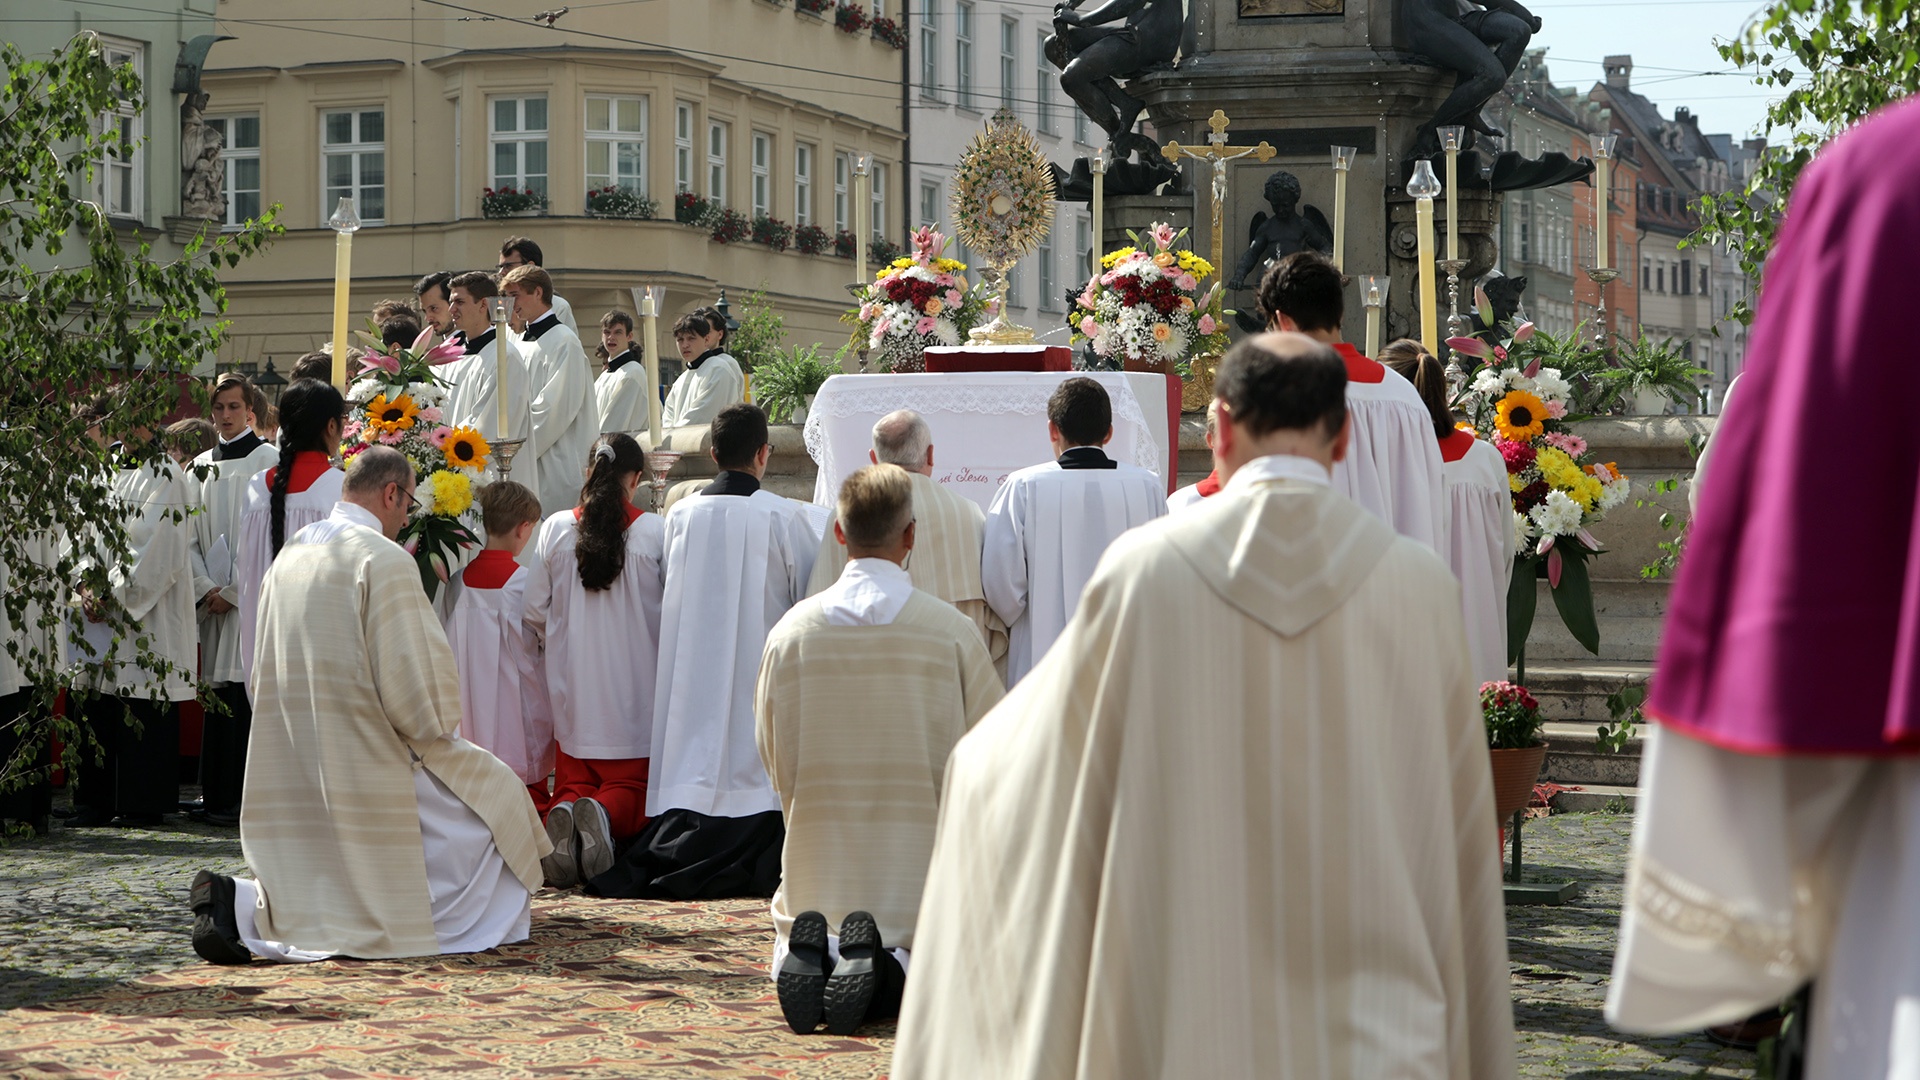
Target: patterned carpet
604	988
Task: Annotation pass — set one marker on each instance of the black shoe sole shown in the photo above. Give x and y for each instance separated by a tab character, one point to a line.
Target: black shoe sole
856	977
802	979
216	935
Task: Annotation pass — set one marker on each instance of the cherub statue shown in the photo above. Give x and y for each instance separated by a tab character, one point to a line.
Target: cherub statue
1291	228
1482	41
203	192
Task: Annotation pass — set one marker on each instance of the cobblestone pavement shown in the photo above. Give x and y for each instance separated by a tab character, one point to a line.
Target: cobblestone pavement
84	908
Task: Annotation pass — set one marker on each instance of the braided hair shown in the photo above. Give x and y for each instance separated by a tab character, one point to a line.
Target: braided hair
307	409
601	549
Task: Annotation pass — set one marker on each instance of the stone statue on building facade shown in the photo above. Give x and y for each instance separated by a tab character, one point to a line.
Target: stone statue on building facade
203	187
1096	58
1482	43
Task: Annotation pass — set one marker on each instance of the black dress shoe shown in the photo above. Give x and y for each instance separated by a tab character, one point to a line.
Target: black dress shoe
802	979
856	977
226	819
89	818
140	821
216	932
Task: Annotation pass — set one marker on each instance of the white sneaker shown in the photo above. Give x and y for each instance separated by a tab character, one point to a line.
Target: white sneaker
596	838
562	868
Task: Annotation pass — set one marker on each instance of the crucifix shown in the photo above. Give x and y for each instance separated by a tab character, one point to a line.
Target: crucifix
1218	152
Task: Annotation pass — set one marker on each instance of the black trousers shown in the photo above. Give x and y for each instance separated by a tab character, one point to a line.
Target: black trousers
138	773
223	748
33	802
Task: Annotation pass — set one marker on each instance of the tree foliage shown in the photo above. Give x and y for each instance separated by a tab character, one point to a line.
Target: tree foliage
1856	56
85	305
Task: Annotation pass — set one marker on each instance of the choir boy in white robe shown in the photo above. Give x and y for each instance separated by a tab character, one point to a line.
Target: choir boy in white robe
1392	468
297	491
595	594
1479	544
219	479
712	380
1049	524
503	688
1236	823
566	416
859	781
520	251
948	531
1189	497
621	390
737	557
473	381
371	827
135	780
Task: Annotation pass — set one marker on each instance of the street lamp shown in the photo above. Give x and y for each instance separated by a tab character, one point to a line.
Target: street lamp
270	383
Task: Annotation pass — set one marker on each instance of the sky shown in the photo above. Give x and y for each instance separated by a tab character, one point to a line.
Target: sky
1672	45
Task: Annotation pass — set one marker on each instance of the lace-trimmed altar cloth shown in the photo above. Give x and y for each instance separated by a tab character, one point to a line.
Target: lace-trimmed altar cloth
985	425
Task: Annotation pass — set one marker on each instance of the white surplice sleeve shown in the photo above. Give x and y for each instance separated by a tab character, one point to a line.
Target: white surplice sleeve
623	405
1392	467
559	392
539	599
160	540
1003	553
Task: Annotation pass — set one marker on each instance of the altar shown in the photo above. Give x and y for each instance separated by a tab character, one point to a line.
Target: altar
985	424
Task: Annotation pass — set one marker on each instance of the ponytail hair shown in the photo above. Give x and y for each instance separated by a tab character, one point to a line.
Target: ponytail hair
307	408
1429	379
600	552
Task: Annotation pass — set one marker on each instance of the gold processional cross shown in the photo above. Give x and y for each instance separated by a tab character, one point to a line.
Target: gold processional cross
1218	153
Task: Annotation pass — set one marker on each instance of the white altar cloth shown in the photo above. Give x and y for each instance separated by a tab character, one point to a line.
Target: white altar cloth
985	424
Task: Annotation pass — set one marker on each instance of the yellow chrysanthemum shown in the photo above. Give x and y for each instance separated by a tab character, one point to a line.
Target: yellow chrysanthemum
1114	258
395	415
1195	265
466	448
1514	482
1558	468
950	266
452	493
901	263
1521	417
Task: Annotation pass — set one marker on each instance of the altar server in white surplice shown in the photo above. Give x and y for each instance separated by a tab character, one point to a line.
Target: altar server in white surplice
221	496
518	251
1392	467
372	828
596	596
1479	544
737	557
712	379
566	415
473	381
297	491
621	391
1049	524
1191	496
1236	823
948	531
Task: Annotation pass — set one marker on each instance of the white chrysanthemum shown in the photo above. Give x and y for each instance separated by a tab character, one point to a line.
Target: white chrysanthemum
1487	383
1558	516
1550	386
362	391
1612	495
946	333
1522	531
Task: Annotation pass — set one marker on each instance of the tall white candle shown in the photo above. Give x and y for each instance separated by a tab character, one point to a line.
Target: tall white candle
344	222
650	355
500	363
1099	211
1423	187
1342	163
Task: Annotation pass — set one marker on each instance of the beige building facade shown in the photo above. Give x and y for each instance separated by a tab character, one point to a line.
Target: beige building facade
756	105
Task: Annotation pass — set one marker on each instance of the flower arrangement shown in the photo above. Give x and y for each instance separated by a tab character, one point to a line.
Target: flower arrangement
396	399
1512	716
844	244
812	240
772	232
813	6
1558	487
884	252
851	18
890	32
915	301
619	202
1148	306
730	227
691	209
506	201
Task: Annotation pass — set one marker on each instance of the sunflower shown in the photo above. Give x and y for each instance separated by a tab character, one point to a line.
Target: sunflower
395	415
1520	417
465	448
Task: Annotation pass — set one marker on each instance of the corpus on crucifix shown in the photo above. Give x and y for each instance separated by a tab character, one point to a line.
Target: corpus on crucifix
1218	152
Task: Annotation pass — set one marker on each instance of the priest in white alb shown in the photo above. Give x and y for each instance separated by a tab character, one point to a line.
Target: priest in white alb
474	380
949	530
1237	823
566	415
1392	467
371	828
737	557
1050	523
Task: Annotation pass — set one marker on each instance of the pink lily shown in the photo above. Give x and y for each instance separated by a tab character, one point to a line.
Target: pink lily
1546	545
444	353
1470	346
1556	565
379	361
1533	369
1587	539
421	341
1522	332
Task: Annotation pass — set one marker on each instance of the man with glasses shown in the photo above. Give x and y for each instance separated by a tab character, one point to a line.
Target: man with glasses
520	251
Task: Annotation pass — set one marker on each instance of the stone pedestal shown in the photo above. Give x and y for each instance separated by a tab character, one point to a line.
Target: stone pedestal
1138	212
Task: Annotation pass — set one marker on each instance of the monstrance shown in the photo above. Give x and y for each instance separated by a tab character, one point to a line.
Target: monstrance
1002	209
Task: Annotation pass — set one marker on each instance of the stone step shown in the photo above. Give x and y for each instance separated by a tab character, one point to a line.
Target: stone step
1573	697
1630	612
1597	798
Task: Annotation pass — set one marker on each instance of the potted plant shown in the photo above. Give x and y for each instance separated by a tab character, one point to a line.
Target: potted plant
772	232
812	240
785	385
914	302
619	202
691	209
890	32
850	18
1514	745
511	202
1652	374
730	227
1147	307
812	7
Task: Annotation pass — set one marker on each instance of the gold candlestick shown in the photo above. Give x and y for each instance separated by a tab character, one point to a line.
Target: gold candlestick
345	223
1423	187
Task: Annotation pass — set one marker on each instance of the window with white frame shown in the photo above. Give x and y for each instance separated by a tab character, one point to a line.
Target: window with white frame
842	184
241	160
930	49
762	174
353	162
1009	61
1042	87
929	203
877	192
122	172
963	54
617	143
802	184
1043	267
682	147
519	138
717	160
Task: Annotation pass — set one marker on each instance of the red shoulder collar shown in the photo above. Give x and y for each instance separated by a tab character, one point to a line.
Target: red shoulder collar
1455	445
633	513
308	466
1359	368
490	569
1210	486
